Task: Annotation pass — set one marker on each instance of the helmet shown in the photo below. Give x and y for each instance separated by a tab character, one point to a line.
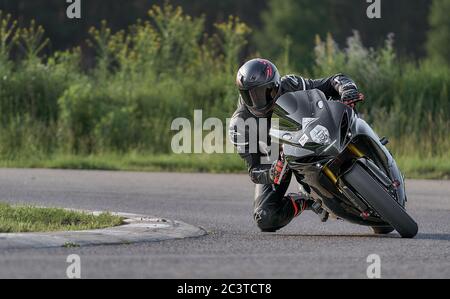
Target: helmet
259	82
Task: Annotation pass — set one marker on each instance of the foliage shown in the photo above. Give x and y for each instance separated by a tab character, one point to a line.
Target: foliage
158	69
165	66
438	44
407	101
290	25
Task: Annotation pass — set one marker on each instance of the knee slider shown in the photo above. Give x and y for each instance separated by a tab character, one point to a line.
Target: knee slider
265	221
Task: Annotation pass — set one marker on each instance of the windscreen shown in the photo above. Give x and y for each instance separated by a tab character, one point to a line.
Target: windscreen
306	119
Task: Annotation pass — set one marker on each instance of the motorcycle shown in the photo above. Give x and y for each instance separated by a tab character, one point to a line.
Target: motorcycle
347	168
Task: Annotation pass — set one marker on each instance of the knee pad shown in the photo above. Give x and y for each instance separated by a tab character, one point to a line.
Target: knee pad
265	221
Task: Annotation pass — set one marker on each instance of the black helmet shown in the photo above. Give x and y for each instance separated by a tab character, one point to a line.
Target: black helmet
259	82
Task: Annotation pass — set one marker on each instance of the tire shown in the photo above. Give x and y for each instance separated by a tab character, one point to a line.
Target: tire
382	230
381	201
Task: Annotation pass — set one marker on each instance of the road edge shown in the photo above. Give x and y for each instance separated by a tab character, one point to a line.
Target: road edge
137	229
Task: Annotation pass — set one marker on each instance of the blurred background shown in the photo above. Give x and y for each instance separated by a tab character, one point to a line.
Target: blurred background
101	92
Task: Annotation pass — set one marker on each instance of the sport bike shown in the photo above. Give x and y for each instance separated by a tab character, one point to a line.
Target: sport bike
350	173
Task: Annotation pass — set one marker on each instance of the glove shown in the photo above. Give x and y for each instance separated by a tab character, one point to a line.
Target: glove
351	97
276	172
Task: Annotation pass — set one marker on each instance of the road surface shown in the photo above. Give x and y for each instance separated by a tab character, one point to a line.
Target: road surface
234	248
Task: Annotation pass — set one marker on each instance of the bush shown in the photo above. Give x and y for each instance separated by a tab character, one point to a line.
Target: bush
164	67
438	43
157	70
406	101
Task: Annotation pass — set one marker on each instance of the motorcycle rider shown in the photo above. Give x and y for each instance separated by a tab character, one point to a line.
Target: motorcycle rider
260	85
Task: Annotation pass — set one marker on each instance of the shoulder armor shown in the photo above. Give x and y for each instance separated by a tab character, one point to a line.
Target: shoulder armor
293	83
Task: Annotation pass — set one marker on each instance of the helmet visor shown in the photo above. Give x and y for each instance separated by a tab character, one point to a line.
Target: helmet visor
260	97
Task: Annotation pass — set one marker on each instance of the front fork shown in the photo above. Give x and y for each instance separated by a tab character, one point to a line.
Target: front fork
332	176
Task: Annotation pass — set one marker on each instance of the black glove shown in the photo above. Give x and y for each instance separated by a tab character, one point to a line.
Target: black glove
351	96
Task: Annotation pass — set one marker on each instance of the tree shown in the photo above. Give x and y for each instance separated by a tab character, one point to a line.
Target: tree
291	25
438	44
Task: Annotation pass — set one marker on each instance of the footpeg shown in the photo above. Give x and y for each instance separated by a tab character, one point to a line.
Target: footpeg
323	214
317	207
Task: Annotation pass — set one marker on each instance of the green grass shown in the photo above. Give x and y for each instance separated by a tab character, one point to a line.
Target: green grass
134	162
412	167
425	168
24	219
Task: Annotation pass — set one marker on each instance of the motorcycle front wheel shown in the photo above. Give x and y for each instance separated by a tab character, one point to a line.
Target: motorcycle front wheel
381	201
382	230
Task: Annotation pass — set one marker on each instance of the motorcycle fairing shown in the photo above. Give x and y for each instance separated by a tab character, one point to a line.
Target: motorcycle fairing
299	114
307	122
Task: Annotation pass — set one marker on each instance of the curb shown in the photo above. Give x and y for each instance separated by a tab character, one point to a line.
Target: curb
137	229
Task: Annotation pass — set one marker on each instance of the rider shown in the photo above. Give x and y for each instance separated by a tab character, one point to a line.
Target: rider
260	85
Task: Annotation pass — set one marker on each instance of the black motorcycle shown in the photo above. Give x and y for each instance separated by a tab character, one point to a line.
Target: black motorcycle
346	167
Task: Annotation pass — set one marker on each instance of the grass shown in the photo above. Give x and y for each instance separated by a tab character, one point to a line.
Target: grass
25	219
425	168
412	167
135	162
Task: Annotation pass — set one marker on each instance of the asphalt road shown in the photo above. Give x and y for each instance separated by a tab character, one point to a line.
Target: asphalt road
222	204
